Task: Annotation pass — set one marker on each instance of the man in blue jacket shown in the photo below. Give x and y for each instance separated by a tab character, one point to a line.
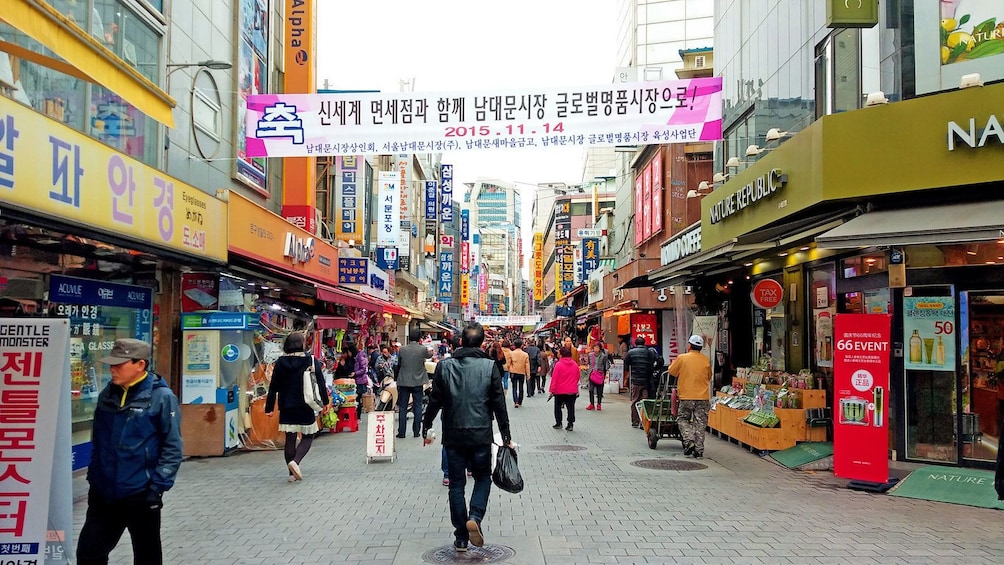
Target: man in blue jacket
136	452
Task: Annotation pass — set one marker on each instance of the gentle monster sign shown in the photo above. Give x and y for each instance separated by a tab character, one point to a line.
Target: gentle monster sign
749	195
656	112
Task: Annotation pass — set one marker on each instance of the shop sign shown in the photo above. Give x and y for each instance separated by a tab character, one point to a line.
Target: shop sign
445	277
507	320
349	207
973	137
465	225
219	321
644	325
389	203
200	291
352	270
929	333
767	294
684	244
590	256
446	240
48	168
752	193
259	234
376	283
446	193
299	249
538	266
386	259
861	397
36	431
588	232
431	194
465	290
851	13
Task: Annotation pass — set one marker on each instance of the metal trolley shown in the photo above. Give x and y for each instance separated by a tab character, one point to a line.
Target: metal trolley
658	415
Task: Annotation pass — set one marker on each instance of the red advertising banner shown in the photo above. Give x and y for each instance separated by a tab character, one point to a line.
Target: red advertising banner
644	325
861	397
200	291
638	232
646	202
657	177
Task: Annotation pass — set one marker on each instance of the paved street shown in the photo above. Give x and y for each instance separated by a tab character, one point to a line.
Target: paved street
586	506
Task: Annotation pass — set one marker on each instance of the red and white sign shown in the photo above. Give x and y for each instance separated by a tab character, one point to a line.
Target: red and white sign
767	294
446	241
380	435
644	325
465	257
861	397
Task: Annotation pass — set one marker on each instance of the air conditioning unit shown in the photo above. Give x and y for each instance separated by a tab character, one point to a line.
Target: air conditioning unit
699	62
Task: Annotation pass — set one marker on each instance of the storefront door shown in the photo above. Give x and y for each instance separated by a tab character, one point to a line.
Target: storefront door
982	340
929	359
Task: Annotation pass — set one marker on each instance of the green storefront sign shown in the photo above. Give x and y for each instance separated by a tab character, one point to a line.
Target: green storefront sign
851	13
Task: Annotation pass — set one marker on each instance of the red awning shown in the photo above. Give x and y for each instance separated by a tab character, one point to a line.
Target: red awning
331	323
346	298
391	308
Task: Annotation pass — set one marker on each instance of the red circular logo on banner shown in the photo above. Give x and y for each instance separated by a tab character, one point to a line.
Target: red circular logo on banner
767	294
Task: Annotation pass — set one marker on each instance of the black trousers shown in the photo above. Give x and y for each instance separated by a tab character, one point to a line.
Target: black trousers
532	384
564	400
105	523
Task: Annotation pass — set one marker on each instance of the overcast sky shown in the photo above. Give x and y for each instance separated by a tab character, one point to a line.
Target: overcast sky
465	45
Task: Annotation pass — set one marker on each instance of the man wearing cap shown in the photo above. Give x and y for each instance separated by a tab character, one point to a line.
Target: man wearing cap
693	373
136	452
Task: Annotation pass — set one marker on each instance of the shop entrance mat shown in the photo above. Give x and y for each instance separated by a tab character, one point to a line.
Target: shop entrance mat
970	487
803	454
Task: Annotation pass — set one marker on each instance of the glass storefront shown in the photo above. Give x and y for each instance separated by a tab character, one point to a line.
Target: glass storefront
982	342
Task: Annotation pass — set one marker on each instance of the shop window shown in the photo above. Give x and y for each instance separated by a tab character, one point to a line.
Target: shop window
838	73
864	265
981	330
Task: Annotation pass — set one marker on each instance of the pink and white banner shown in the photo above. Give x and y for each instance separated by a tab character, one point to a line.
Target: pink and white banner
300	125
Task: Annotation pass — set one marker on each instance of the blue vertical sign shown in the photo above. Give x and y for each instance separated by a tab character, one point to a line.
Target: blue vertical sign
446	277
431	194
465	225
446	200
386	258
590	256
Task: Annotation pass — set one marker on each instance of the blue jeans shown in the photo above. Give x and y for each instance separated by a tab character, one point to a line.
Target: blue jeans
459	460
518	387
505	380
403	394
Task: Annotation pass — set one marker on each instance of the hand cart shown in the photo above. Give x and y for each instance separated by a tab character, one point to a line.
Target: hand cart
658	415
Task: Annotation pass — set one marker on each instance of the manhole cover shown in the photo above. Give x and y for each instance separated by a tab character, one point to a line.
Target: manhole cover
669	465
561	447
488	553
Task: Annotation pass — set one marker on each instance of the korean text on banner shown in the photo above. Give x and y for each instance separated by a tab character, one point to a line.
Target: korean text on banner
388	210
446	277
538	266
658	112
929	333
35	357
861	397
446	199
349	206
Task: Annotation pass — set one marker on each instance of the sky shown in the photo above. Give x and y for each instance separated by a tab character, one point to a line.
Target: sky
472	45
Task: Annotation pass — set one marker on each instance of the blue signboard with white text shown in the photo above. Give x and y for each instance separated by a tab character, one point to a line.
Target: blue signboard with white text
465	225
386	258
431	198
446	193
590	256
352	270
446	277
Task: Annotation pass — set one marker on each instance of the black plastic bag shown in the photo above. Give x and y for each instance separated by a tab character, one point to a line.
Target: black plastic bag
506	474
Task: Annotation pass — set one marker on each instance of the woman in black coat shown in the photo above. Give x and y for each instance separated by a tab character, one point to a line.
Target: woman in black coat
295	416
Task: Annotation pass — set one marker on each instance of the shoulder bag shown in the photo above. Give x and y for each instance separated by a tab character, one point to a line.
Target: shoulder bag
311	394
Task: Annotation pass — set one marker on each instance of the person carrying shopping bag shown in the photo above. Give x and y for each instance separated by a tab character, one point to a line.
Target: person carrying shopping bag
565	386
599	365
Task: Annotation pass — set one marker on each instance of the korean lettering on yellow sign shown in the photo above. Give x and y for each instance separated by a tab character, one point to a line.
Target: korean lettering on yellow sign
538	266
50	168
464	289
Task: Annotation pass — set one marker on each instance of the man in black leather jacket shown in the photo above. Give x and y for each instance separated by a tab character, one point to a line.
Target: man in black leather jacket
468	388
640	365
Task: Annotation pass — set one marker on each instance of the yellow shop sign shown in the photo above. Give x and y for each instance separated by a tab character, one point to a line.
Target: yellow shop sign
51	169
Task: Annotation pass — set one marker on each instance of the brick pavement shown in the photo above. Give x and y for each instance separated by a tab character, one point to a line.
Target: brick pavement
588	506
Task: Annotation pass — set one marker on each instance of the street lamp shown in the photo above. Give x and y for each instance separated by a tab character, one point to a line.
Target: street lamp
210	64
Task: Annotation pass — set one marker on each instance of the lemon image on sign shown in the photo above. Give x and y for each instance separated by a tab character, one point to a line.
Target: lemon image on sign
949	24
945	53
957	37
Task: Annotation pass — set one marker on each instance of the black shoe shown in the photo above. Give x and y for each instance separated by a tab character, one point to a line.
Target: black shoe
635	425
557	426
460	545
698	455
568	427
689	449
416	434
400	436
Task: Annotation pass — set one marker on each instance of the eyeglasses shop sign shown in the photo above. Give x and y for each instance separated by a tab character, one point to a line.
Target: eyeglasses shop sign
687	243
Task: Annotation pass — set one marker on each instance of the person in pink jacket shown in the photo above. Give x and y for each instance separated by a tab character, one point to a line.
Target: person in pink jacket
565	386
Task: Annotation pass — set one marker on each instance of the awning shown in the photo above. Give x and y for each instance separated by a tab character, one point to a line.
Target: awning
331	323
82	51
392	308
935	225
435	326
346	298
415	313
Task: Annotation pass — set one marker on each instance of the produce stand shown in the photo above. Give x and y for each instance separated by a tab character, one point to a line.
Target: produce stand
730	411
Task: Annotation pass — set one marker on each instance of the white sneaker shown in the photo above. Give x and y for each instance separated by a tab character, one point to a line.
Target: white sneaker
295	469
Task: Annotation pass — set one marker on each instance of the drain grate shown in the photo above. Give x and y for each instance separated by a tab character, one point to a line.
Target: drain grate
489	553
561	447
668	465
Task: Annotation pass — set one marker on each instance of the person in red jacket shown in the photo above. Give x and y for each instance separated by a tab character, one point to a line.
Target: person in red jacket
565	386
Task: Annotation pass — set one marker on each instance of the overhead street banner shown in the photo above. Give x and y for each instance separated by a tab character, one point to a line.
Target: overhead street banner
656	112
507	320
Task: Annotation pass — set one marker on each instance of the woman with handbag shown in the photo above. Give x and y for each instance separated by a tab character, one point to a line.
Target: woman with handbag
599	365
296	417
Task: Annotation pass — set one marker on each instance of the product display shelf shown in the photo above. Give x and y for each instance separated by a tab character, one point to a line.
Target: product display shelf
727	423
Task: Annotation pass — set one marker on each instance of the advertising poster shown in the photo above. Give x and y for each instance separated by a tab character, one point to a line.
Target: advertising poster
861	397
644	325
823	342
35	438
253	55
639	232
929	333
971	29
646	203
199	291
653	112
657	177
707	328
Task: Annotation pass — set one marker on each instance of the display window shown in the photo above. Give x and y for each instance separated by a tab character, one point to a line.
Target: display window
982	394
822	309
